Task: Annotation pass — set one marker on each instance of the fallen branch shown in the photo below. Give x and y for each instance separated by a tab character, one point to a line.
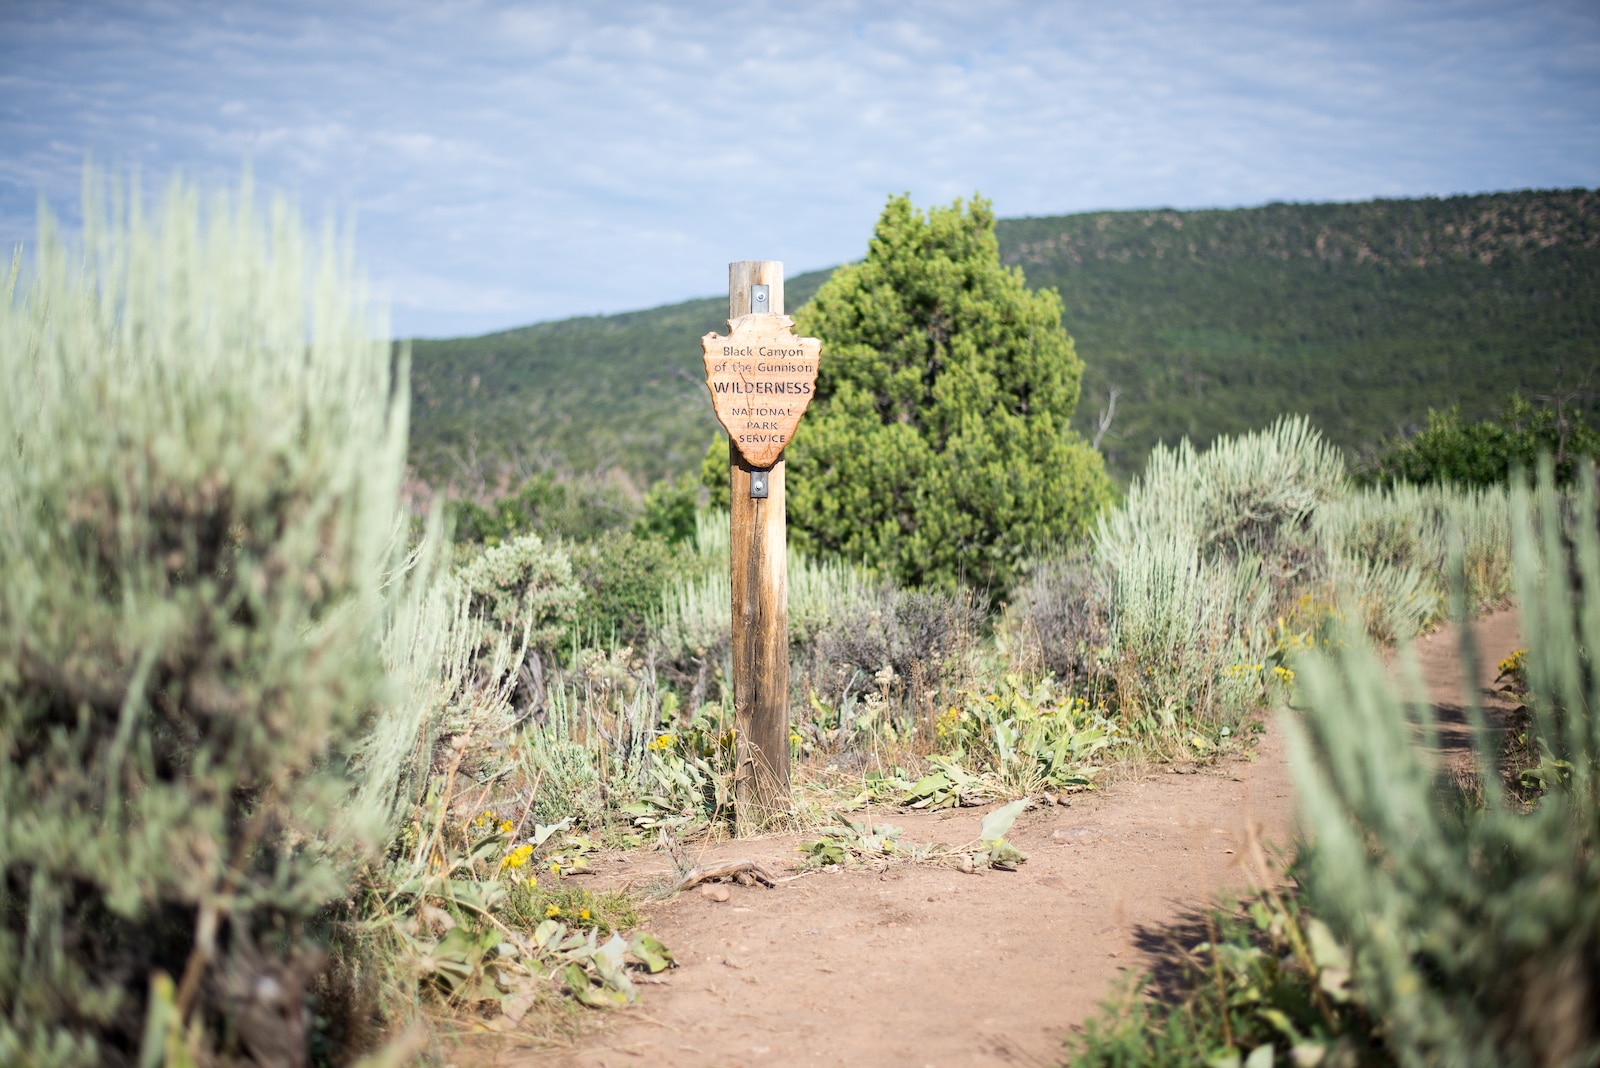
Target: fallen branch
711	872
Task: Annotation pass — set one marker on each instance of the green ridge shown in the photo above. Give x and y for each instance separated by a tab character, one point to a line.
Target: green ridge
1362	316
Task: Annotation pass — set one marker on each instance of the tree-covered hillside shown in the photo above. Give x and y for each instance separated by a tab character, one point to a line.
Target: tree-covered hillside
1362	316
579	395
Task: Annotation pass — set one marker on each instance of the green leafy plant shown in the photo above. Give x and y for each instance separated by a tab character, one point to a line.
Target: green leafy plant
857	842
1488	452
947	785
1021	740
854	842
994	851
523	591
938	448
544	504
485	923
623	574
1264	984
531	901
669	510
714	473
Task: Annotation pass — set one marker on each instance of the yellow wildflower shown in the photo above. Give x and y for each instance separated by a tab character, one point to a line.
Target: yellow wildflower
552	911
664	741
517	857
507	826
584	915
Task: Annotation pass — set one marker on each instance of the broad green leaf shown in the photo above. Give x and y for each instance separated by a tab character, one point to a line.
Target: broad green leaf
576	978
492	846
548	933
1325	948
1260	1057
542	832
998	822
1281	1023
649	952
1005	856
612	953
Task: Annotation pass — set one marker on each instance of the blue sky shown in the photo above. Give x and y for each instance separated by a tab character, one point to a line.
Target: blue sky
512	162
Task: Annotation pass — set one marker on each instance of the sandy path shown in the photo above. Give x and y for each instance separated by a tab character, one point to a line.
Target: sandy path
922	965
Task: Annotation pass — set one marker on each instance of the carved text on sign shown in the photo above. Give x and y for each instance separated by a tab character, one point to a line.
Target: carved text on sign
761	379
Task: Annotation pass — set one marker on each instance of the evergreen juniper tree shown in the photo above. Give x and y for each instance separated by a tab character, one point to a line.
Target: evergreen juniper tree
939	447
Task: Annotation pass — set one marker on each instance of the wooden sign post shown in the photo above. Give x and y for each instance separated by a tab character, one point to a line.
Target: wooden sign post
761	379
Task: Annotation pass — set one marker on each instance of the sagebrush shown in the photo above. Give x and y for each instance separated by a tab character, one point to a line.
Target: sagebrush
203	552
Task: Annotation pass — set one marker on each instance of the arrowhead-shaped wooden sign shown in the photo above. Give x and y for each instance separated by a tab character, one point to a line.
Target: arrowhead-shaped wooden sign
762	378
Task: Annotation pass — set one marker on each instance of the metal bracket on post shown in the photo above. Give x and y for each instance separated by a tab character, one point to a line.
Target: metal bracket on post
760	304
758	482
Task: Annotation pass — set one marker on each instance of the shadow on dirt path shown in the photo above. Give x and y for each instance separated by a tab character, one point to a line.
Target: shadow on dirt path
921	965
1440	664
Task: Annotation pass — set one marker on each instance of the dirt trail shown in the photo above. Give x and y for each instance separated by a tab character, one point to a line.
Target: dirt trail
922	965
1496	636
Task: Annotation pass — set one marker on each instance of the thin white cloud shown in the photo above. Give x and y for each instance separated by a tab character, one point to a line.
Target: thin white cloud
515	161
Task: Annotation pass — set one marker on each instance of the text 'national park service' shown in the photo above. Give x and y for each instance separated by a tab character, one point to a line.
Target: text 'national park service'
761	379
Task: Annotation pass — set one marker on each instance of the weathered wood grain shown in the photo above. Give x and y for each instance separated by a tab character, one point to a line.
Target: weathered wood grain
760	606
710	872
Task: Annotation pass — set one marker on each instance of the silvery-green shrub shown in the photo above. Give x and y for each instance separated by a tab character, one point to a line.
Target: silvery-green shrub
204	433
1475	924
